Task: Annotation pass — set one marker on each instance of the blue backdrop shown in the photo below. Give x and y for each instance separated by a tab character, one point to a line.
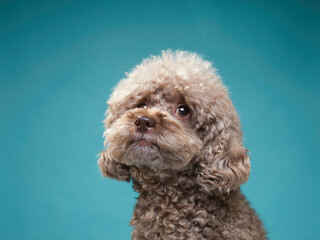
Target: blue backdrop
59	61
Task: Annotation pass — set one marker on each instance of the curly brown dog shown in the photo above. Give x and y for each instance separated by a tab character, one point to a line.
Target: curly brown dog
172	129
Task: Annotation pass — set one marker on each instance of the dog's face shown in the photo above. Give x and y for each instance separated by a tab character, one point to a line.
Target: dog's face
171	111
155	129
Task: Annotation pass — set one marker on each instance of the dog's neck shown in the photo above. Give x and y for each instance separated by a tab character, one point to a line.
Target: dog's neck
166	182
150	179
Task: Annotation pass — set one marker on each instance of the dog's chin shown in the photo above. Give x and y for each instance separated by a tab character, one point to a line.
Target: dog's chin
144	153
153	154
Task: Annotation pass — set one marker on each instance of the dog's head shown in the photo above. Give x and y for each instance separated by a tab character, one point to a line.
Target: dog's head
173	112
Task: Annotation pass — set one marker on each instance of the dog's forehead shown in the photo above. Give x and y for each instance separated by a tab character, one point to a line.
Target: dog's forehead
158	89
162	94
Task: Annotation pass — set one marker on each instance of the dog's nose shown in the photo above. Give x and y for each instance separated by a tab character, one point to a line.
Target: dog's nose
144	122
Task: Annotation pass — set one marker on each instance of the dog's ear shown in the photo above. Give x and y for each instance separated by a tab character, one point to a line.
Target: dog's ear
224	163
108	167
112	169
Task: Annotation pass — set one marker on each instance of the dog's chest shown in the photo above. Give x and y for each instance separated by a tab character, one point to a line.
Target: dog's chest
173	209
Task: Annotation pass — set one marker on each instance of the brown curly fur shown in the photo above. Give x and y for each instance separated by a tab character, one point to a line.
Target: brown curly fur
189	174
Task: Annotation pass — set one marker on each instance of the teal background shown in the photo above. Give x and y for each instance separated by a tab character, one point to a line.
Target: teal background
59	61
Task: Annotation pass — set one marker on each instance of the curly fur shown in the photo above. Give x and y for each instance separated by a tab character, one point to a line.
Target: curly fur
189	174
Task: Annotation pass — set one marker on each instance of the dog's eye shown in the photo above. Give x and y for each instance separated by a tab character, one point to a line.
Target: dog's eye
142	105
183	112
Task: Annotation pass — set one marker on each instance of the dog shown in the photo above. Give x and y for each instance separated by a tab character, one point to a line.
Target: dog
173	131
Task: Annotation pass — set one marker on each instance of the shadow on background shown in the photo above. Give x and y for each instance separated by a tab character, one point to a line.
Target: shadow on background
59	61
